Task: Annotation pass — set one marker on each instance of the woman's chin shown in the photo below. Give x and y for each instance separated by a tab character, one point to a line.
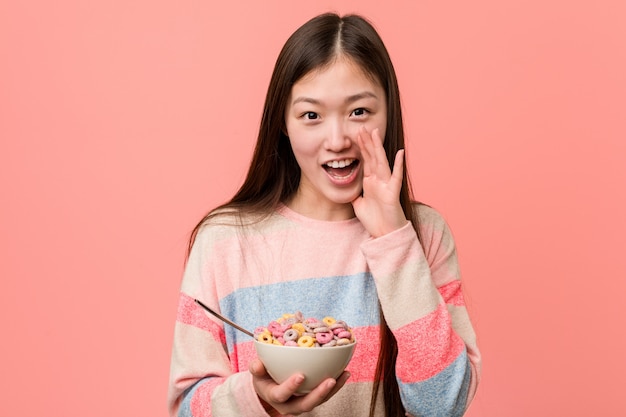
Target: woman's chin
345	197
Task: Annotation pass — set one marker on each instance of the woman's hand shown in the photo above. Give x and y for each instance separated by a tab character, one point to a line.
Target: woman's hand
378	208
281	399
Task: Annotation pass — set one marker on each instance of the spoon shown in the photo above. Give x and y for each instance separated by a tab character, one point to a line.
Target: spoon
224	319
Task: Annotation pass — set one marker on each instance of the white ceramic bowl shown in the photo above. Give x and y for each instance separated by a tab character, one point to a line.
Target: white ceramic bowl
316	364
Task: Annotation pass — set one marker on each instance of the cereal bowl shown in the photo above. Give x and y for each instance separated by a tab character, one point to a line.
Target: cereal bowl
316	364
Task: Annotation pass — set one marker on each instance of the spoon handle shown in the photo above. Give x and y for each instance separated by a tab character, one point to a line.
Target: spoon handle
224	319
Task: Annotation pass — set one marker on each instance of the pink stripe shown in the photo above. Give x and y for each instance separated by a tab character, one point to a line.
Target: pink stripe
192	314
452	294
201	401
241	358
427	346
363	363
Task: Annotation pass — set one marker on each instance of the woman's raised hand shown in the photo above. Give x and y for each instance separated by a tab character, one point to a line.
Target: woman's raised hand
279	399
379	208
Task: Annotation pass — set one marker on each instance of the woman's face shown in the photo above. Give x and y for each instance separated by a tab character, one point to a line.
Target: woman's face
325	110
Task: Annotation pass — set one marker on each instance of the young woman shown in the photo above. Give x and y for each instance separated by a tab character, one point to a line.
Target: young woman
324	223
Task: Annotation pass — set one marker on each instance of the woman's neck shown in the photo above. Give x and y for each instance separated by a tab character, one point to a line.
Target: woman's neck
320	210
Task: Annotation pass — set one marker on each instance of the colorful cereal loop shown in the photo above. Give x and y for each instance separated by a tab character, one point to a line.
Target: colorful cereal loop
306	341
299	327
265	338
329	320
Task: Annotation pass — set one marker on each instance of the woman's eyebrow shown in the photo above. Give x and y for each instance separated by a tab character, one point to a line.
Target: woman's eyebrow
350	99
305	100
359	96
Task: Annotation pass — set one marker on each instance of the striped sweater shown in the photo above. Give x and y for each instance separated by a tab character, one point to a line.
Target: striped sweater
289	262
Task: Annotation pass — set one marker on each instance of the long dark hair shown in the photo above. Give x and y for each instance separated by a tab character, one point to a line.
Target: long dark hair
274	174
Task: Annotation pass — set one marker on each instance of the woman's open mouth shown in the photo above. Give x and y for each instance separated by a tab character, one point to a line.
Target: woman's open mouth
342	171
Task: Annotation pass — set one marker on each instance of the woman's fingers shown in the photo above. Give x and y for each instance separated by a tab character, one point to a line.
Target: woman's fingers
340	382
381	156
378	207
364	141
373	153
314	398
257	368
283	392
398	167
283	397
322	393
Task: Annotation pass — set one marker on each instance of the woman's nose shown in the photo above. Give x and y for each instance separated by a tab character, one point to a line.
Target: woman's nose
338	137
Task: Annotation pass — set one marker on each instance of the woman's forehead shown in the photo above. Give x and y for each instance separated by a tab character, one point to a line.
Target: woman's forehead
342	60
339	79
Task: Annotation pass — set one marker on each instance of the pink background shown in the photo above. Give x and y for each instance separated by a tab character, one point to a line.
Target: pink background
123	122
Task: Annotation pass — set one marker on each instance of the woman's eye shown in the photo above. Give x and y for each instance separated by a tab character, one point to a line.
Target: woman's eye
310	115
359	112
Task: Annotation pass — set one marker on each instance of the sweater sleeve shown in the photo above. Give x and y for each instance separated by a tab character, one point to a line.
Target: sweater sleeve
202	383
419	287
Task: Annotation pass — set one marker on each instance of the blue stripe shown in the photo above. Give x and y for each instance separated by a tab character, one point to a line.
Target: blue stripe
185	406
352	299
443	395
